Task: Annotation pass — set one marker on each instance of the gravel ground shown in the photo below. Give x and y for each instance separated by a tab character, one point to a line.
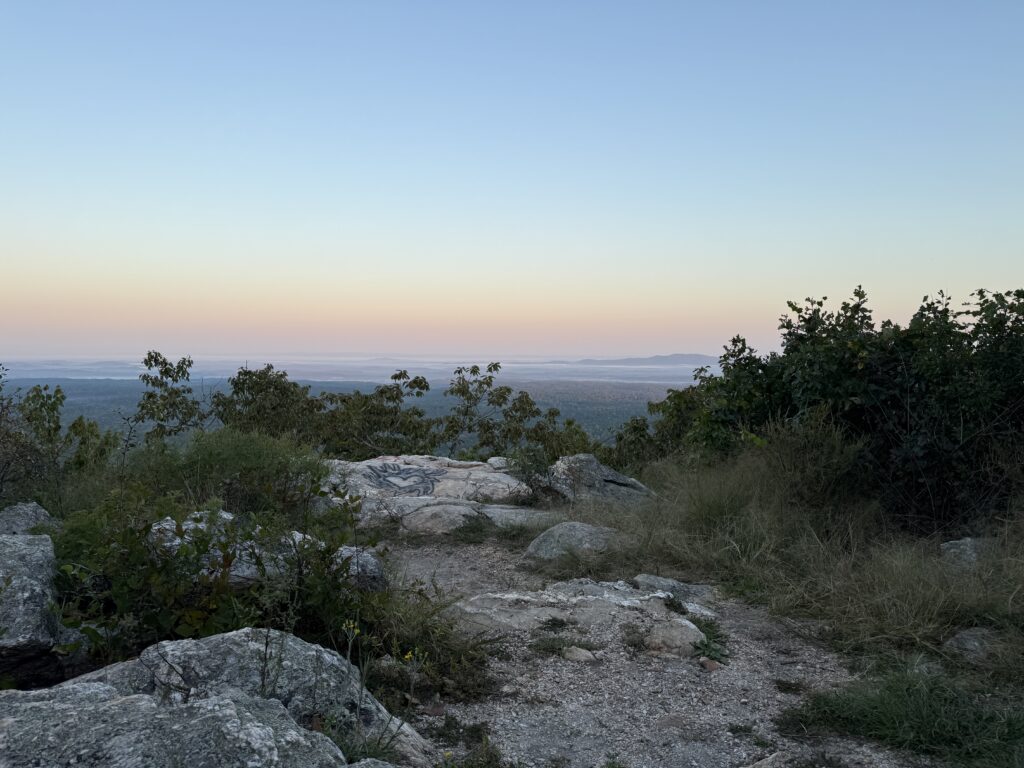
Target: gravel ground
641	711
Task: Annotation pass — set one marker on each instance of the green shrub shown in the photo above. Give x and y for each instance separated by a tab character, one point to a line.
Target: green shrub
930	412
266	401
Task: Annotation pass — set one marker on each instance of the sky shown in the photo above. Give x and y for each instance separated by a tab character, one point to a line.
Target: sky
518	179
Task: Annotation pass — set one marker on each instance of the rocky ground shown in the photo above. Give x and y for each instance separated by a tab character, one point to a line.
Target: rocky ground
650	673
629	706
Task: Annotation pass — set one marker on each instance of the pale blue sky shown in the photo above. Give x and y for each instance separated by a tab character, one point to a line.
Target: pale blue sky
478	177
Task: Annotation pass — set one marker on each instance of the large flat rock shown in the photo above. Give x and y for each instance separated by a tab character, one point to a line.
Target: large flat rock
388	477
583	605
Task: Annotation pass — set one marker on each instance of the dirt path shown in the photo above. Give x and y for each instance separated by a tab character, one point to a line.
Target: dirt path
631	709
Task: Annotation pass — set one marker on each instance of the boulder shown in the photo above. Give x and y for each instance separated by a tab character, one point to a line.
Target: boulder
28	624
394	476
569	537
314	685
20	519
94	724
435	516
582	478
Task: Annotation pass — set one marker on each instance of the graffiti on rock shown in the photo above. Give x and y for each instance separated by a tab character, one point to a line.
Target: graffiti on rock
404	480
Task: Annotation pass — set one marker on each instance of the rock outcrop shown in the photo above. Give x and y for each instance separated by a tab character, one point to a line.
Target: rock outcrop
583	605
388	477
431	495
94	724
273	687
28	625
582	478
21	519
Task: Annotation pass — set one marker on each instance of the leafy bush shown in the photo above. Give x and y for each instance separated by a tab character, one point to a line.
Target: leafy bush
358	426
936	407
266	401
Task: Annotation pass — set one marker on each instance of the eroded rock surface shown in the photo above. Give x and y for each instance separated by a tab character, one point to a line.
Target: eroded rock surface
430	495
28	625
583	605
388	477
95	724
310	682
20	519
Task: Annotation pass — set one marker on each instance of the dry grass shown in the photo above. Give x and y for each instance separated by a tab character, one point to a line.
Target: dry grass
886	597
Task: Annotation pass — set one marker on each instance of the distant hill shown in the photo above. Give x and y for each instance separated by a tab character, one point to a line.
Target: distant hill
682	358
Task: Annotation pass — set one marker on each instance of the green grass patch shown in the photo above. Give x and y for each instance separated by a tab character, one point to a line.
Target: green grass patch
929	714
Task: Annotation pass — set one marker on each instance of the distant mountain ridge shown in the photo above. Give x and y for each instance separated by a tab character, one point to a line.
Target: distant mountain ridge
682	358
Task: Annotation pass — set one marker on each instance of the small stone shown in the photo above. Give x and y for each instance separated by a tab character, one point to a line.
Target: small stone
673	638
964	553
974	644
575	653
710	664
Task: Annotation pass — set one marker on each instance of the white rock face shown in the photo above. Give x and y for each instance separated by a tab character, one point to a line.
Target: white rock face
435	495
19	519
388	477
28	625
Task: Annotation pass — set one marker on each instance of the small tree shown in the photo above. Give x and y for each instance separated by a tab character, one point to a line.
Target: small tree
357	425
267	401
168	403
